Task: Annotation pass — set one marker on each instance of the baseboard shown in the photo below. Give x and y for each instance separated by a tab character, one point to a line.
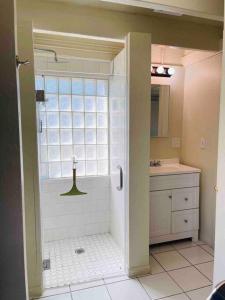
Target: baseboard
138	271
35	291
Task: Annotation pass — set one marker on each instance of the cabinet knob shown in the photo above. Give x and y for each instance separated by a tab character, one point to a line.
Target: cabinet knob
185	221
186	199
170	196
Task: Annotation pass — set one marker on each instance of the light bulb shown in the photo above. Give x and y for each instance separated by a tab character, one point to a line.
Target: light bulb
160	70
171	71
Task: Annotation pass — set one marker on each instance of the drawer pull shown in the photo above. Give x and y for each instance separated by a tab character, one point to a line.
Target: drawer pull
170	196
186	199
185	221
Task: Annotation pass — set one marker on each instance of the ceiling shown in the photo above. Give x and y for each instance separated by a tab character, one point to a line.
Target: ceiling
145	7
99	49
78	46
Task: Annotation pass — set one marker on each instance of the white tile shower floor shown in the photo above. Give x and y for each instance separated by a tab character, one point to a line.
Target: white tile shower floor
102	258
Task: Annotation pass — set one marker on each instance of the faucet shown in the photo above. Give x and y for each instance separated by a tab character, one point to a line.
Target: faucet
155	163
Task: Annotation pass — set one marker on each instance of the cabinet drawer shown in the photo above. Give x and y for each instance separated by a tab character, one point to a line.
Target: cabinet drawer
185	198
167	182
186	220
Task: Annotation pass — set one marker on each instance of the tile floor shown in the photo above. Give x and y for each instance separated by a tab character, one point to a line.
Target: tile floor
180	271
102	258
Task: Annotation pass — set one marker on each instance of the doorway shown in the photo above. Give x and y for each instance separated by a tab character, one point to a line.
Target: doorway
135	175
81	117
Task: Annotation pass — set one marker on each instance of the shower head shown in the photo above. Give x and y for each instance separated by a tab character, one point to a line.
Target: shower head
50	51
56	60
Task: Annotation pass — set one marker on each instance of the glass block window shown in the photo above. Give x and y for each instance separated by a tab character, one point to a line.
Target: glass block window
74	123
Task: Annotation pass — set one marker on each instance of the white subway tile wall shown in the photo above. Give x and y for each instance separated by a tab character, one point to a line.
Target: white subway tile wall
74	124
75	216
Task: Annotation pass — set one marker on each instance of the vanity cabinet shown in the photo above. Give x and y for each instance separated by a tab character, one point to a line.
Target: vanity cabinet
174	207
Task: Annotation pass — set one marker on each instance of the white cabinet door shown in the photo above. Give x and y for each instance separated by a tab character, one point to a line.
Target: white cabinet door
160	213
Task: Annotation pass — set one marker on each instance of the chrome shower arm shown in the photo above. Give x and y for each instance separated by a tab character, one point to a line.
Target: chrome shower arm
50	51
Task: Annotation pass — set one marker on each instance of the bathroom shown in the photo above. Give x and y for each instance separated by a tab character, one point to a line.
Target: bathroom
195	84
184	165
191	133
83	237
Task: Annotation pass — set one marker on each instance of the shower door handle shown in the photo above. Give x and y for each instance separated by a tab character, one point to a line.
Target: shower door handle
120	187
40	126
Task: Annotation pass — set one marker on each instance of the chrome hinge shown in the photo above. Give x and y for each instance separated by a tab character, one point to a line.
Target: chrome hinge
21	62
46	264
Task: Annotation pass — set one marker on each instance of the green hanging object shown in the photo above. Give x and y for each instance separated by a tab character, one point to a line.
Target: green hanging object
74	190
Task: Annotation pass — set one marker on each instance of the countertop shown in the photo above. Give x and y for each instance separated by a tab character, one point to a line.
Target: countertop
172	169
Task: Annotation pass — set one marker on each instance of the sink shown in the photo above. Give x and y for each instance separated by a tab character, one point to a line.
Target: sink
168	169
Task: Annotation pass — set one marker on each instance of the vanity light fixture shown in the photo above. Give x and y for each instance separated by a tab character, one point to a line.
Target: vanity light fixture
161	71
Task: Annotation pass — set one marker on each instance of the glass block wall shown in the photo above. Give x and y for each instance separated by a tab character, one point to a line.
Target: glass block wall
73	122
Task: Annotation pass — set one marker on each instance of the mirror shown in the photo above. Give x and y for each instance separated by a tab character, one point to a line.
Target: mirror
160	95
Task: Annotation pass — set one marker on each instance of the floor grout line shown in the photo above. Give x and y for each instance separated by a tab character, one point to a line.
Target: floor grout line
197	268
169	276
175	282
193	247
108	291
192	265
46	297
202	274
187	295
207	250
206	262
172	269
170	296
144	289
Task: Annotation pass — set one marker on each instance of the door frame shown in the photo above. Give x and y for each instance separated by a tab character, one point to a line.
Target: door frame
29	157
137	171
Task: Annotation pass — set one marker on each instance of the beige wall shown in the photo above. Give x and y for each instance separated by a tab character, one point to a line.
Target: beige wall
200	119
219	265
162	147
100	22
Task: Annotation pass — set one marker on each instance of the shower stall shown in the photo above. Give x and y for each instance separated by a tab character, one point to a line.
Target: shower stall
96	110
82	116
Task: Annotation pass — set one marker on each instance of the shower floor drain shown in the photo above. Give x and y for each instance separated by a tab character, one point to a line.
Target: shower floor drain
79	250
